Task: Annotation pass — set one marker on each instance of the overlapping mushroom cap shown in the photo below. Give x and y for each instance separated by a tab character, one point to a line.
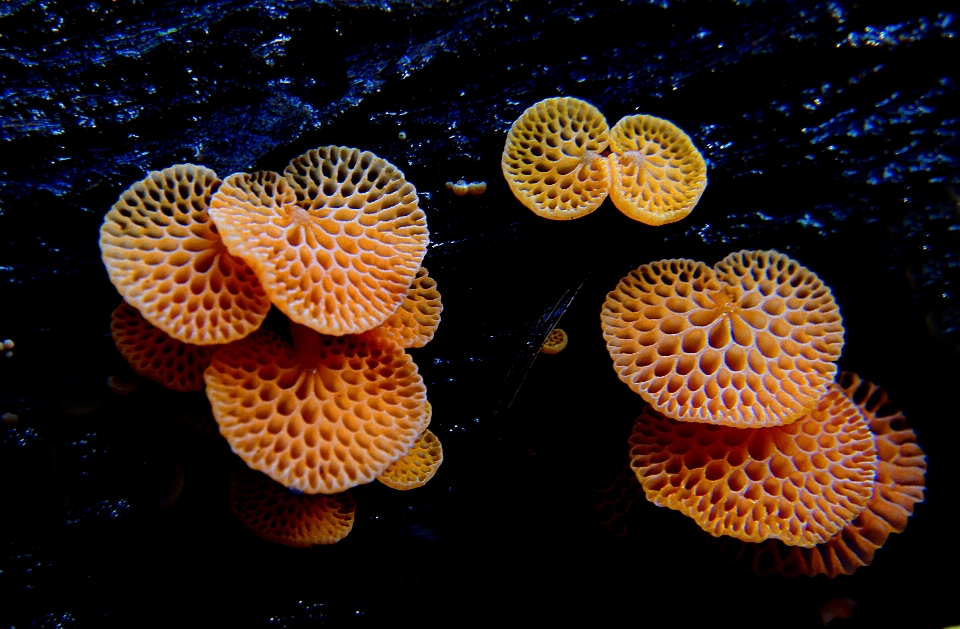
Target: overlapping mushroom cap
749	343
801	483
336	241
323	416
552	158
155	355
164	255
418	317
417	466
278	515
657	173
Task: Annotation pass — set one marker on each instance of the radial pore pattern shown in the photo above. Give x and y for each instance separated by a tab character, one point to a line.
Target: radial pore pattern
417	466
418	317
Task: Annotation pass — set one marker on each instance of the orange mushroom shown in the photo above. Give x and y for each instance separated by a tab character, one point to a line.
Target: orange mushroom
336	241
418	317
657	173
899	485
164	255
155	355
278	515
749	343
417	466
553	159
322	416
555	342
801	483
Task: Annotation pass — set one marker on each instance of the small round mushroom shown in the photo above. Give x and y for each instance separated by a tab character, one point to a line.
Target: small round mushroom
164	256
657	174
336	241
801	483
750	343
555	342
553	159
276	514
417	466
418	317
323	416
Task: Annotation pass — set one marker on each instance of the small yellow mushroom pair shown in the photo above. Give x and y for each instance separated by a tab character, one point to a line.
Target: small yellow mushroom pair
561	160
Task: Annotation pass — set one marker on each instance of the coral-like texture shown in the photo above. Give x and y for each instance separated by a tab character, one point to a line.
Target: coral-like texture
657	173
553	158
555	342
278	515
749	343
164	255
155	355
800	483
417	466
417	319
329	414
901	467
336	241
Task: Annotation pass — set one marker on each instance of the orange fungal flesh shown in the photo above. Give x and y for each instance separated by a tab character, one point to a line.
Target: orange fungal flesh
749	343
555	343
278	515
321	417
800	483
417	466
417	319
154	355
336	241
164	255
901	467
552	159
657	174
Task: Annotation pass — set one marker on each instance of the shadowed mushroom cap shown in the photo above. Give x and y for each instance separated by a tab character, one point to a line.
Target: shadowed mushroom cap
657	173
749	343
417	319
336	241
552	159
154	355
800	483
899	485
417	466
323	416
164	255
278	515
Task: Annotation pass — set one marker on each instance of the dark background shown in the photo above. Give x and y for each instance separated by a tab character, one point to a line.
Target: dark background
830	131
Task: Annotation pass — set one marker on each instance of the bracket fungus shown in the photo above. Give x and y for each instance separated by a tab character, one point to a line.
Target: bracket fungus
553	159
417	466
278	515
418	317
335	241
750	343
657	173
555	342
165	257
325	415
801	483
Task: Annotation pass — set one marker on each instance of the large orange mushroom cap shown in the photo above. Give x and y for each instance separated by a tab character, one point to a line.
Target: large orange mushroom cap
164	255
154	354
278	515
552	158
418	317
749	343
336	241
657	173
323	416
801	483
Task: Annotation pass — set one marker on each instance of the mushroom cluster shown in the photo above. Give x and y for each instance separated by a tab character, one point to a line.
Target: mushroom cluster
336	244
561	160
747	431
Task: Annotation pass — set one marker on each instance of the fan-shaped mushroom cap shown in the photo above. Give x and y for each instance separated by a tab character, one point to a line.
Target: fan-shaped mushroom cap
417	466
555	343
163	254
899	485
552	159
800	483
329	414
750	343
657	173
278	515
336	241
152	354
417	319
